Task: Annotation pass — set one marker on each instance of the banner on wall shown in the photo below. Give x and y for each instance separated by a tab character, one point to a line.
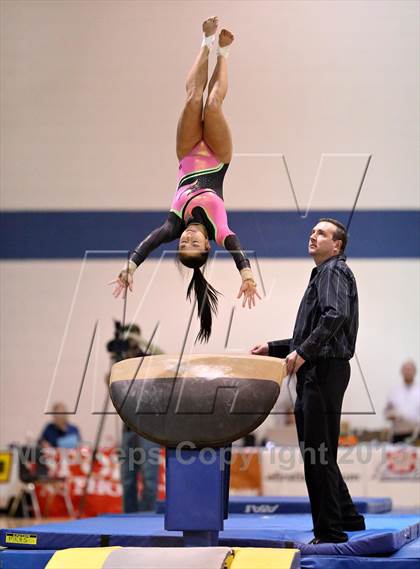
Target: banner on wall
72	467
394	471
105	491
9	483
246	473
6	461
400	464
369	470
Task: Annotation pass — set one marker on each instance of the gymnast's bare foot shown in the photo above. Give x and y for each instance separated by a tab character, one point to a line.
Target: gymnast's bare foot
225	38
210	26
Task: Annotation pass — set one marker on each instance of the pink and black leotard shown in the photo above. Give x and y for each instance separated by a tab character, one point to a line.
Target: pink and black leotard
198	199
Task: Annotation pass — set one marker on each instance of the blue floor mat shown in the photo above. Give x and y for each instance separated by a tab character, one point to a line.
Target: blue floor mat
385	534
18	559
267	505
411	550
328	562
408	557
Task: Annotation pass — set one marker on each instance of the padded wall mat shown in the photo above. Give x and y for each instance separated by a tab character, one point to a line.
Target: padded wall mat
292	505
298	505
140	558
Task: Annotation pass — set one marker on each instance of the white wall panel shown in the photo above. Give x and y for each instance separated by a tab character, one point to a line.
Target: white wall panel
92	91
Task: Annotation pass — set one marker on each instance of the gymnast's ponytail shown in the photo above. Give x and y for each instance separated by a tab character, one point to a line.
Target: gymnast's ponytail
205	294
207	300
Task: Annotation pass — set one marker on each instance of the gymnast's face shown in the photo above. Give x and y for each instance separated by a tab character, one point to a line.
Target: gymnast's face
321	244
193	240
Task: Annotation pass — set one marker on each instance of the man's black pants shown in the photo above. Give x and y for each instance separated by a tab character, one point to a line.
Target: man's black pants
320	391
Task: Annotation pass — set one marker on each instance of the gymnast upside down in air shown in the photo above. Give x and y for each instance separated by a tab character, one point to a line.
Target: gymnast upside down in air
197	214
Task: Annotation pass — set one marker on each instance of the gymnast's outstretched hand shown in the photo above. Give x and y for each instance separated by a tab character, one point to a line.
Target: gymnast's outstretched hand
122	282
249	291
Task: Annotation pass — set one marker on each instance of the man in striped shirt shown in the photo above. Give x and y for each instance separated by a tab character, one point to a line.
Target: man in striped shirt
323	342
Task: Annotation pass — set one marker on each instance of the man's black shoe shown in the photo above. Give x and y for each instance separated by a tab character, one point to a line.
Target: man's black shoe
319	540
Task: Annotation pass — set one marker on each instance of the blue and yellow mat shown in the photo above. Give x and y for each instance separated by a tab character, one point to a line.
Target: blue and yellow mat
153	558
406	558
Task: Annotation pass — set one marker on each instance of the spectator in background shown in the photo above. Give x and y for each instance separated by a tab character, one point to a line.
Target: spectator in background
139	455
403	406
60	433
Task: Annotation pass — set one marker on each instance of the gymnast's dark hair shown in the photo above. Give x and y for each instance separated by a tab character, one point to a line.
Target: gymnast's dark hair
340	233
205	294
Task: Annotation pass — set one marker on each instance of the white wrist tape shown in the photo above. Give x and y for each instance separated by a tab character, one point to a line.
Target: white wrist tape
246	274
130	267
208	41
223	50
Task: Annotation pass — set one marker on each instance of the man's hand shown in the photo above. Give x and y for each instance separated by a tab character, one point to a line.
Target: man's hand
293	362
260	350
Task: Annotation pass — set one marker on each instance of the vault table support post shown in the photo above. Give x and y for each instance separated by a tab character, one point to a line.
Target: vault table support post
197	493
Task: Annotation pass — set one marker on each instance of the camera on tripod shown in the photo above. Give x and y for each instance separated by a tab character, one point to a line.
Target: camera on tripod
124	339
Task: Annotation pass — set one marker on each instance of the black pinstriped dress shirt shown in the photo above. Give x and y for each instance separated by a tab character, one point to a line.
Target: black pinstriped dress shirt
328	317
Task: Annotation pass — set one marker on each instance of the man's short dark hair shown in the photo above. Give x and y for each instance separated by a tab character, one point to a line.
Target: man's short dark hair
340	233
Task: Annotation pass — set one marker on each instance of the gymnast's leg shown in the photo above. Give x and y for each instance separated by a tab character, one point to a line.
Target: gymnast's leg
216	132
190	125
